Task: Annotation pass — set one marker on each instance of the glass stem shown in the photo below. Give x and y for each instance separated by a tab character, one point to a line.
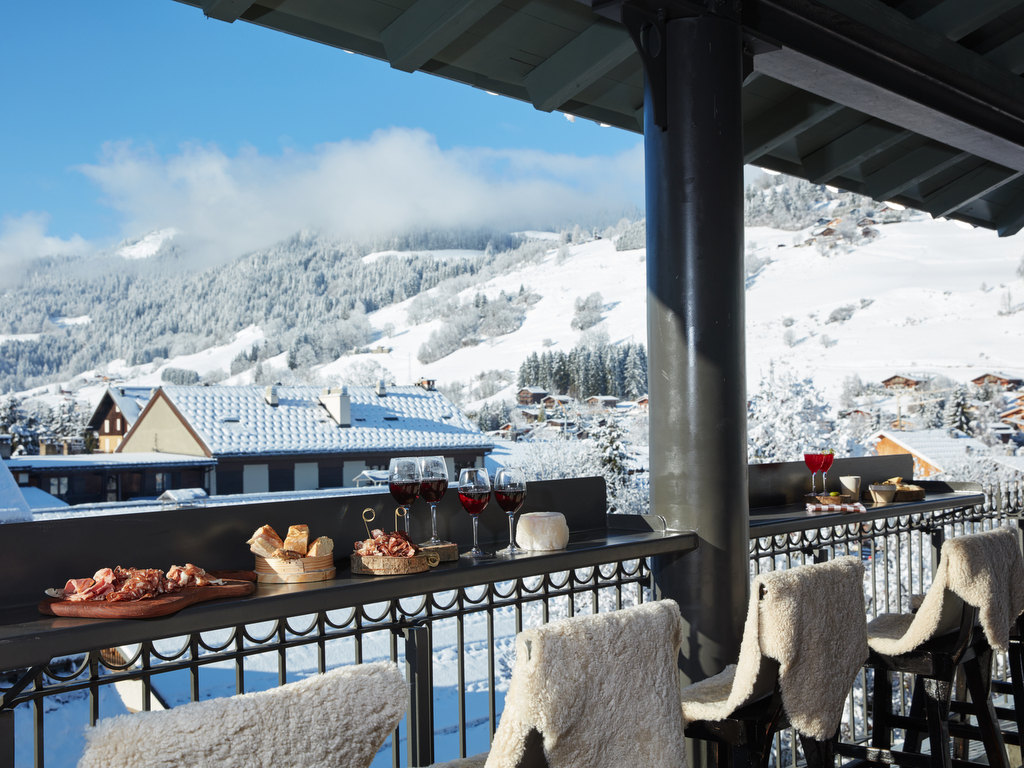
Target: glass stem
476	520
511	531
814	485
433	521
824	477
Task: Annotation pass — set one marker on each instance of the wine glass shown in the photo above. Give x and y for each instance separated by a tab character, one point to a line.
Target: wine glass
826	461
474	493
813	462
433	484
510	493
404	483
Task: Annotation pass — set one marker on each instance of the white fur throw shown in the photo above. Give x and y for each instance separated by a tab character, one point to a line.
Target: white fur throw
985	570
602	690
810	620
335	720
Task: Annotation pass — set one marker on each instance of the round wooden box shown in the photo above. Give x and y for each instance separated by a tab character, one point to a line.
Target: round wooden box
274	571
382	565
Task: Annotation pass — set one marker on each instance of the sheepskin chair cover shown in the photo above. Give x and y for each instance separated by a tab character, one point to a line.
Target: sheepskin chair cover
335	720
602	690
811	620
985	570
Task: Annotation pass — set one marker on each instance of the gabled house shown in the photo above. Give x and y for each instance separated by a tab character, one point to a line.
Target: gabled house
998	380
904	382
300	438
531	395
556	401
602	401
117	411
934	450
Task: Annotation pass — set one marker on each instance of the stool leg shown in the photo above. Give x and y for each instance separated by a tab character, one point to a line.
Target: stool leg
912	739
818	754
1016	664
937	694
881	705
977	672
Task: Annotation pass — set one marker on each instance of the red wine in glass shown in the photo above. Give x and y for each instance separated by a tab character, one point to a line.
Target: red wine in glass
813	462
826	463
433	491
474	502
404	492
510	501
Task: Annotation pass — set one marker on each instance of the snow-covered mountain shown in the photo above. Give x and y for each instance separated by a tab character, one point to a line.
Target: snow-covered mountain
923	295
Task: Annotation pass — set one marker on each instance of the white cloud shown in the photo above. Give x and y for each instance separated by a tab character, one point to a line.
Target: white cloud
396	180
24	237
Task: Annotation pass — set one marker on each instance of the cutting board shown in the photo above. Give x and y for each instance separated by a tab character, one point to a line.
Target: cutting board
162	605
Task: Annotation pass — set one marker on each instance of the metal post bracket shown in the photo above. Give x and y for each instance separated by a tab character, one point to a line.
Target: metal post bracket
648	32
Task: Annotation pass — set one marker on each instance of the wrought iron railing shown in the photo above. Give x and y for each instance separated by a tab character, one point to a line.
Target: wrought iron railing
900	555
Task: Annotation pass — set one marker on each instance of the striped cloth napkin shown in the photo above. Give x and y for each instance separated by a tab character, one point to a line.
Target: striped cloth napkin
856	507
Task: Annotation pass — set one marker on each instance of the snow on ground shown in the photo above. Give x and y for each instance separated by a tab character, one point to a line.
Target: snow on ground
445	253
148	246
18	337
64	322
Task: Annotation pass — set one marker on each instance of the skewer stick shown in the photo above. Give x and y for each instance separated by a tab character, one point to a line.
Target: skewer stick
368	520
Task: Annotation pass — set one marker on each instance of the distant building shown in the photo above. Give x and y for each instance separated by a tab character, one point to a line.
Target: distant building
602	401
904	382
117	411
998	380
934	450
531	395
556	401
300	438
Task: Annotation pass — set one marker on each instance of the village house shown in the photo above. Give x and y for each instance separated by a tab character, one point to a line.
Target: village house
603	402
904	382
557	401
531	395
117	411
998	380
934	450
299	438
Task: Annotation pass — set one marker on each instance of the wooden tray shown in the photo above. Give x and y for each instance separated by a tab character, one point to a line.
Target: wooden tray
381	565
909	495
448	553
300	571
150	607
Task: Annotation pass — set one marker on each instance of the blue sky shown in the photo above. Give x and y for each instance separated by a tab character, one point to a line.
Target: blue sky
108	100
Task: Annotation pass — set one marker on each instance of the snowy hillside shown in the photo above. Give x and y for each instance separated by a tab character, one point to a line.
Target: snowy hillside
923	296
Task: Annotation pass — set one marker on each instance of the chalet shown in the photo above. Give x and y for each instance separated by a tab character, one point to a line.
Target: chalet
934	450
556	401
101	477
531	395
602	401
427	384
298	438
117	411
904	382
998	380
643	401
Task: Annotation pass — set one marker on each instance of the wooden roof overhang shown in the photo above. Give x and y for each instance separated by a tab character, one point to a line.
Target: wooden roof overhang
915	101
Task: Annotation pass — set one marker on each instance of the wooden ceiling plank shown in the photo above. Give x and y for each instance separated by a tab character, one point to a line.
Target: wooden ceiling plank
1009	55
958	18
783	122
967	189
911	169
588	57
851	149
428	27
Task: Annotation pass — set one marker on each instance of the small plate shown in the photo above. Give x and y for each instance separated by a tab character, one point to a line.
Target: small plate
55	593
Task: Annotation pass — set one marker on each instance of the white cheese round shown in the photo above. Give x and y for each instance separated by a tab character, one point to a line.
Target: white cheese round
539	531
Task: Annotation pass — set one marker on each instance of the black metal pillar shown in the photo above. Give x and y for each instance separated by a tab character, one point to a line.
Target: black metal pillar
695	325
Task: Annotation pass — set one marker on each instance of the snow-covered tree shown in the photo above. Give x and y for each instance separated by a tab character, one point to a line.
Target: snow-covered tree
785	417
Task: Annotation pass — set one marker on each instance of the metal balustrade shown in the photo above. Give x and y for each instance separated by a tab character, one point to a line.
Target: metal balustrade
463	635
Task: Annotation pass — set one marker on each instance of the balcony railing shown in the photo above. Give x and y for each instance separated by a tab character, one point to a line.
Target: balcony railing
452	628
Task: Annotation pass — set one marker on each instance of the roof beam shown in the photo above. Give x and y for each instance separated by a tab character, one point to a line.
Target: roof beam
1011	220
911	169
1009	55
428	27
225	10
967	189
586	58
851	149
783	122
958	18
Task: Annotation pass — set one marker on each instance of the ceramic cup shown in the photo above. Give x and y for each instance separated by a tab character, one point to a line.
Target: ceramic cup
849	485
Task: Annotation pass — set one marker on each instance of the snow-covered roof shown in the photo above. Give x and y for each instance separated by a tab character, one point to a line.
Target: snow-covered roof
939	447
13	507
239	421
130	400
85	461
534	390
1016	463
37	498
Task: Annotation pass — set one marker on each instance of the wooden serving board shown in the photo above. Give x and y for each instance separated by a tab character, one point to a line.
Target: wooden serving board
909	495
381	565
296	578
162	605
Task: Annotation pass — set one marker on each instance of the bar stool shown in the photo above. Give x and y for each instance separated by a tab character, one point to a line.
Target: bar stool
979	576
803	643
335	720
597	691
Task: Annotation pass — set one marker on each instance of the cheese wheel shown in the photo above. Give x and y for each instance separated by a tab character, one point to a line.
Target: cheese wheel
542	531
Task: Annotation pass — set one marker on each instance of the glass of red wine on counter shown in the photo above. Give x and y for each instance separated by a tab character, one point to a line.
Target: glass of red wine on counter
404	483
474	494
510	493
433	484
